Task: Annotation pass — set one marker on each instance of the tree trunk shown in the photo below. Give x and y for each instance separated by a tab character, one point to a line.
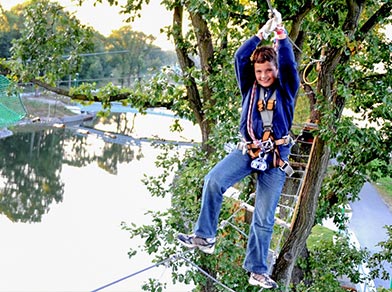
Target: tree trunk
186	63
303	223
318	160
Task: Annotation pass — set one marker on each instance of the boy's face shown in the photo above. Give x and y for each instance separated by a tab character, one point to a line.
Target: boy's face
266	73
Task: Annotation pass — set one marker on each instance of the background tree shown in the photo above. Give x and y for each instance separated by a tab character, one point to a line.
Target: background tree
133	61
347	60
95	67
36	29
50	43
10	26
345	38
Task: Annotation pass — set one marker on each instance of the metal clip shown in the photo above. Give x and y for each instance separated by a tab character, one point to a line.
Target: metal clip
287	168
288	140
266	146
243	147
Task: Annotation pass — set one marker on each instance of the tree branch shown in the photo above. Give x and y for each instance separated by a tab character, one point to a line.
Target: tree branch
94	98
186	63
51	88
206	50
383	12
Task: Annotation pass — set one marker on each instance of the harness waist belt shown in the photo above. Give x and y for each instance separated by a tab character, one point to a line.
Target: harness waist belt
286	140
253	150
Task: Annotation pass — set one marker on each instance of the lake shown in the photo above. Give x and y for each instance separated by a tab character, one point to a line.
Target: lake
63	195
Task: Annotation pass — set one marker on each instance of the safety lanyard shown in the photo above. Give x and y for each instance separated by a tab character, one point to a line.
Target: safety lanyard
266	109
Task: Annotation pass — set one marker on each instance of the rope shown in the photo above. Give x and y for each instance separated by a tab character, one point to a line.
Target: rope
175	257
271	9
169	259
304	74
224	223
295	45
270	6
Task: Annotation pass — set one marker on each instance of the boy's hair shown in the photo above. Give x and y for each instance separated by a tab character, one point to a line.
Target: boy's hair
263	54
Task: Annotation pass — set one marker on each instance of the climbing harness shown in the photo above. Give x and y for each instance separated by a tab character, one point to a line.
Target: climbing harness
259	150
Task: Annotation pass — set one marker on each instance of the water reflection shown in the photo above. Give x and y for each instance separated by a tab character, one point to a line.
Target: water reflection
31	163
63	196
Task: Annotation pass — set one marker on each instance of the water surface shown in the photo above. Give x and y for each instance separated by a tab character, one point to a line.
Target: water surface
63	196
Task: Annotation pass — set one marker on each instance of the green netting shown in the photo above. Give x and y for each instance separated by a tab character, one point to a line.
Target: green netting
11	106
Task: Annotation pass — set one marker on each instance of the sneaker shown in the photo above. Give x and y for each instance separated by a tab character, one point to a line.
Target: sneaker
262	280
206	245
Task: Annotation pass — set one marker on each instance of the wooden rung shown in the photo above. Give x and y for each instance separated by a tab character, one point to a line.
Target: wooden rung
247	207
298	164
282	223
285	206
289	196
312	126
278	221
232	193
303	142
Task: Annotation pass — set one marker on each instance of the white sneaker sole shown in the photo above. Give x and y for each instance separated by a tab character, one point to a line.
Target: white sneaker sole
254	282
205	249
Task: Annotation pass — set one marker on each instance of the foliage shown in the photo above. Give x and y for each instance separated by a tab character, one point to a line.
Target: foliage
378	261
367	128
344	137
50	43
80	54
138	58
384	186
330	260
10	26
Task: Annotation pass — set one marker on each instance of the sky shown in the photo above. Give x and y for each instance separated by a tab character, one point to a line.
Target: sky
105	18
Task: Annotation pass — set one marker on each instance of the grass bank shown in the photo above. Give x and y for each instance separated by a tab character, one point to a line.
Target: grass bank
384	188
47	106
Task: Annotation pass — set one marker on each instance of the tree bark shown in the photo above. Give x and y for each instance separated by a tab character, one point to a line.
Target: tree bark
318	161
306	210
186	63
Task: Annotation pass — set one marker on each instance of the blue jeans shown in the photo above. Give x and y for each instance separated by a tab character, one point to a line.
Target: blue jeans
233	168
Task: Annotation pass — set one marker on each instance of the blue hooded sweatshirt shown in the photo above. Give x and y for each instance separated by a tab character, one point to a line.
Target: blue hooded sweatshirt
286	86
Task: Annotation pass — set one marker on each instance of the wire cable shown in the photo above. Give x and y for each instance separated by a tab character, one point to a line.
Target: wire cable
169	259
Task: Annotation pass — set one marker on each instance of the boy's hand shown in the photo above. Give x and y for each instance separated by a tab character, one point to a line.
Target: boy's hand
266	30
270	25
276	16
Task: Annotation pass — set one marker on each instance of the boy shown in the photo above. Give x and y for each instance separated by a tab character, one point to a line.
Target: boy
268	81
